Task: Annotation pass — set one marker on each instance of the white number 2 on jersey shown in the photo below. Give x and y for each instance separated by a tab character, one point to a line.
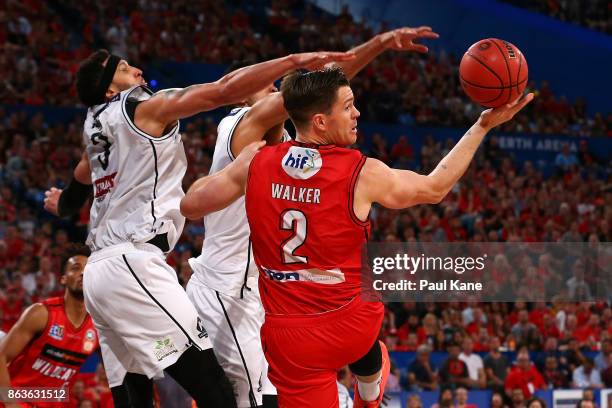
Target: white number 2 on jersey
293	220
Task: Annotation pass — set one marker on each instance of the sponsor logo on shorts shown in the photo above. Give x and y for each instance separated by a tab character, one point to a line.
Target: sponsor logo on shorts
302	163
163	348
57	332
322	276
201	330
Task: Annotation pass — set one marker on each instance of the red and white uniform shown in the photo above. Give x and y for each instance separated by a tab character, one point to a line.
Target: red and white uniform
53	358
307	244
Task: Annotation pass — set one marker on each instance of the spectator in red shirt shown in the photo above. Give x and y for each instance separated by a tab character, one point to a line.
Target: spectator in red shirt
402	153
12	306
524	376
553	375
589	334
549	328
453	371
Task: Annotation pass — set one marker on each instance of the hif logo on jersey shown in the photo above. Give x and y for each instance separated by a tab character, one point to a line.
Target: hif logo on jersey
302	163
57	332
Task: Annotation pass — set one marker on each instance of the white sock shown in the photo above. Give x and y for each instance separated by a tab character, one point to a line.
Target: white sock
369	391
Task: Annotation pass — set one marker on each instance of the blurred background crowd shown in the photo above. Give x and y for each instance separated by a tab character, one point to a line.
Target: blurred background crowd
558	344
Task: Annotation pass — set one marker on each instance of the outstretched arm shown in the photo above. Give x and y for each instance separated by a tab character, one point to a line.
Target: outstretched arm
166	107
401	39
270	111
397	189
215	192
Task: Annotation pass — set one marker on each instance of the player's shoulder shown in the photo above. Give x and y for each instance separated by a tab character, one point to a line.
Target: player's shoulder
53	302
35	316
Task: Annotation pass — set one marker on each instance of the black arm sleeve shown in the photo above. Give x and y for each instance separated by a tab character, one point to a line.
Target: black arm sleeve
72	198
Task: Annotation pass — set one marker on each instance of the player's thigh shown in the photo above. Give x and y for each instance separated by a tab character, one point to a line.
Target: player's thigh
140	299
234	324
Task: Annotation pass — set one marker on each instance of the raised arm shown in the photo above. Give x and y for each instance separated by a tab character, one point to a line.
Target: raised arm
31	323
397	189
167	107
270	112
215	192
401	39
265	114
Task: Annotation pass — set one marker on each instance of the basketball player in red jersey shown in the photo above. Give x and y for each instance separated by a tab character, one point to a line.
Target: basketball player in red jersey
53	338
307	203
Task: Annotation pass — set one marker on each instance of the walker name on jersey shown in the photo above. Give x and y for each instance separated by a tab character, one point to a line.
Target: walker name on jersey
296	194
302	163
52	370
323	276
104	185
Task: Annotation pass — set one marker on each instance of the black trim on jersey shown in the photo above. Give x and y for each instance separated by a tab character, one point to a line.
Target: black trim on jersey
231	135
293	230
246	271
351	194
60	355
193	343
135	128
252	399
154	186
106	105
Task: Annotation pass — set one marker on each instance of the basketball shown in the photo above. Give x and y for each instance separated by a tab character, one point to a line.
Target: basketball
493	72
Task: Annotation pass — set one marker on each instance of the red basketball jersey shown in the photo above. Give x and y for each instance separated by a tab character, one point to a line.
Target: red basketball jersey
54	357
306	239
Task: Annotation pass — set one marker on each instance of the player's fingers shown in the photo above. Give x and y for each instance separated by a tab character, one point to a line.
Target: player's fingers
423	28
524	101
258	145
398	40
339	56
428	34
419	48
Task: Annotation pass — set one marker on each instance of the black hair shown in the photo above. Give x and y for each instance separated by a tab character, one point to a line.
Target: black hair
88	77
73	249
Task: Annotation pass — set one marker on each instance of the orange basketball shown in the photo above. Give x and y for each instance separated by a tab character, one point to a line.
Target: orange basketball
493	72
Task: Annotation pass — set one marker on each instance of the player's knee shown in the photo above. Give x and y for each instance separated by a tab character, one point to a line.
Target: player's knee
370	363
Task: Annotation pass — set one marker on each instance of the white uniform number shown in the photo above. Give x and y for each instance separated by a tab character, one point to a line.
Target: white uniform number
295	221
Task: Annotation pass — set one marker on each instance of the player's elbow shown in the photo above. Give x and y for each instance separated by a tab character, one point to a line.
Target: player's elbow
227	91
189	209
436	196
433	191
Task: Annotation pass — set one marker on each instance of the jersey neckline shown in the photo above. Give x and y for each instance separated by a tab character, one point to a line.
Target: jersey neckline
312	145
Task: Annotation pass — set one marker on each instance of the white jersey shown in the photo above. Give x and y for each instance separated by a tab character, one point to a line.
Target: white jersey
137	178
226	263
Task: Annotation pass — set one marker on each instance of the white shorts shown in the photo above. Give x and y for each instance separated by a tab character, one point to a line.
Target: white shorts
144	318
233	325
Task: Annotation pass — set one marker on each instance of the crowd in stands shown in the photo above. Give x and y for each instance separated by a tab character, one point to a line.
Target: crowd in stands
41	44
593	14
498	200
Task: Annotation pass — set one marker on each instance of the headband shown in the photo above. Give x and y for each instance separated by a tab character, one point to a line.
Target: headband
107	77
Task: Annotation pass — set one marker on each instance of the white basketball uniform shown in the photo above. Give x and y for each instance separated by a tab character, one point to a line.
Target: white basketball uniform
143	316
224	288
